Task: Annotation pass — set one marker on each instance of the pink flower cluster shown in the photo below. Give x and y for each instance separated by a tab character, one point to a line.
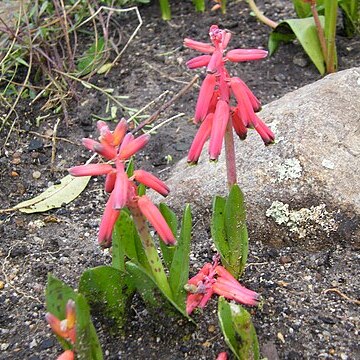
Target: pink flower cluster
213	108
215	279
117	147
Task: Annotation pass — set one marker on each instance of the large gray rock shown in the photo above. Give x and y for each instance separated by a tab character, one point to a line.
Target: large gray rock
305	189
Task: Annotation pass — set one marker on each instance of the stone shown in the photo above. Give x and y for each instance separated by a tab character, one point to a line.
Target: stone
304	189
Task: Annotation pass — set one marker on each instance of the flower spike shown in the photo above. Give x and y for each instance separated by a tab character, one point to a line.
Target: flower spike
215	92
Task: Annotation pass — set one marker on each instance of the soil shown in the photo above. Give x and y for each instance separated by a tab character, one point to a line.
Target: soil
299	319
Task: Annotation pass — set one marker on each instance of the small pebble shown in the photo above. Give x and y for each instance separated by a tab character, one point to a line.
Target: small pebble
300	60
211	328
16	161
36	174
285	259
280	336
2	284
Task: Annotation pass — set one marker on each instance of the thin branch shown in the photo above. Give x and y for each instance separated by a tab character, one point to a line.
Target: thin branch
260	15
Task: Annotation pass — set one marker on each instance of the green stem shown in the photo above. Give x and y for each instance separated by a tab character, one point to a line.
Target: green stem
261	16
199	5
165	9
230	155
331	8
151	253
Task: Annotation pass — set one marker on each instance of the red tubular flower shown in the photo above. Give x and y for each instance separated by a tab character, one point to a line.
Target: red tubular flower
106	135
64	328
199	46
246	91
200	138
239	55
222	356
119	132
266	134
89	143
105	150
90	170
67	355
153	214
121	186
131	148
215	61
238	124
107	222
198	61
110	181
221	118
205	96
151	181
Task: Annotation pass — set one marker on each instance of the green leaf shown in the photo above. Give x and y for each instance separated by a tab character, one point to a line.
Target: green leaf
56	195
331	9
236	231
275	39
109	290
238	330
130	168
87	346
179	271
351	10
306	32
302	8
126	241
148	290
170	217
91	57
218	232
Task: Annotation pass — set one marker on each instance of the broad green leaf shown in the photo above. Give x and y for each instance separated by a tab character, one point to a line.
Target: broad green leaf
179	271
126	241
87	345
170	217
238	330
306	32
109	291
55	196
236	231
218	232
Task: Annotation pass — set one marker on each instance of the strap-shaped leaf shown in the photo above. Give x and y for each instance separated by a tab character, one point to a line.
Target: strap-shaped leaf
87	345
236	231
55	196
306	32
171	219
238	330
125	241
218	232
109	290
179	271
